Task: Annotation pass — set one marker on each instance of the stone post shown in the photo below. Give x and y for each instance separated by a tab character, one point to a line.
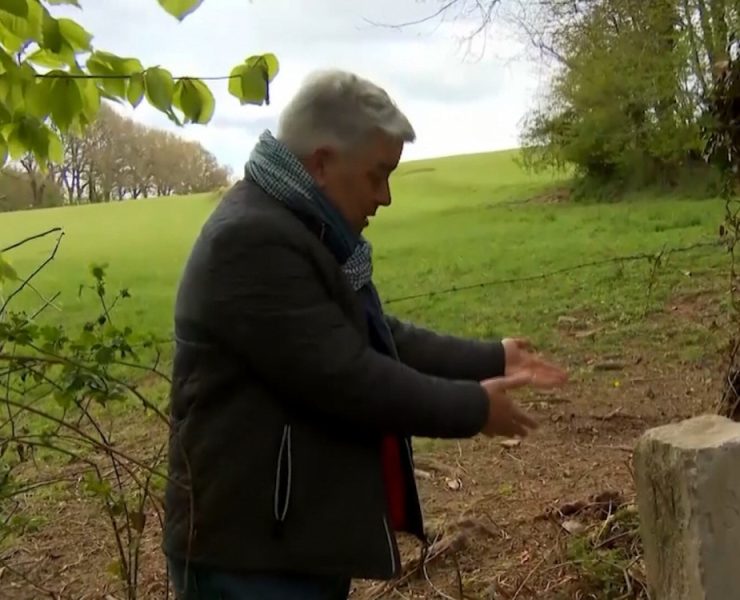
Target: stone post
688	496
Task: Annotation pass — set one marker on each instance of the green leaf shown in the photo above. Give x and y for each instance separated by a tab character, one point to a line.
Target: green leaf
180	8
40	145
129	66
5	116
3	151
18	8
97	65
108	96
115	87
75	35
195	100
104	355
250	81
16	97
248	84
13	32
96	486
118	64
113	80
19	140
56	148
29	135
135	89
208	102
52	35
52	60
15	88
7	272
16	32
116	569
38	98
160	88
7	66
182	98
269	62
97	270
70	2
66	100
90	99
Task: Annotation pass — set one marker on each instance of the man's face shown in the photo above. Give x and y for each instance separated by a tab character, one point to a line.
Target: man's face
356	181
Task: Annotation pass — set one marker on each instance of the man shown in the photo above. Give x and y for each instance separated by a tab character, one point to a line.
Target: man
294	395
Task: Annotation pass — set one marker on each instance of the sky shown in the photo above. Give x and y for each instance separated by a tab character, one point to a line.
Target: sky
460	98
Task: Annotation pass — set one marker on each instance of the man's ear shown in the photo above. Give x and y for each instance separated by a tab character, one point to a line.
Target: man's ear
318	164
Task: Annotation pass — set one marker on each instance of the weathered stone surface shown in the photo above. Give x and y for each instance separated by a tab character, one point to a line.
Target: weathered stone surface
688	493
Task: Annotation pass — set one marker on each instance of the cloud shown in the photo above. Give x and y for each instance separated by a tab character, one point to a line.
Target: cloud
456	102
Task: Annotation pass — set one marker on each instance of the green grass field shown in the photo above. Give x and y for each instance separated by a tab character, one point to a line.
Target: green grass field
454	222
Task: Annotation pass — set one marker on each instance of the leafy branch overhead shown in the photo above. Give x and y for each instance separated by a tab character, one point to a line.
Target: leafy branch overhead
52	80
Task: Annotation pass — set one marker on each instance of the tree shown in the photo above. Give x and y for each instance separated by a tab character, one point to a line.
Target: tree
21	189
617	104
117	158
52	80
627	99
629	81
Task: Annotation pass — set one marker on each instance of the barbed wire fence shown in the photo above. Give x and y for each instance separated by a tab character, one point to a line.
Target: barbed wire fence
655	259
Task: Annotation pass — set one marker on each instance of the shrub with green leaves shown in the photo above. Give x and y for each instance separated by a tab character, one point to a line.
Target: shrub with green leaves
63	390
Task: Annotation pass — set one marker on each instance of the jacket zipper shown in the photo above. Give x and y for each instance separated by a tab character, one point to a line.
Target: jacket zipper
389	538
284	455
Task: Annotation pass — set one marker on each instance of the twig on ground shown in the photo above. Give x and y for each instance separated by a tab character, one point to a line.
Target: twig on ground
617	412
431	464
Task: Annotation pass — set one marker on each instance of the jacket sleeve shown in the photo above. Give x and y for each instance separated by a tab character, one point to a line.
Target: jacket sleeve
447	356
268	303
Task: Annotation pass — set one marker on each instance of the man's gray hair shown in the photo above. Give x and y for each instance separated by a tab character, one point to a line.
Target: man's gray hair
339	109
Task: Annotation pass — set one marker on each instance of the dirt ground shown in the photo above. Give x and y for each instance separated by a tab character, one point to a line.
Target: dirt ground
505	518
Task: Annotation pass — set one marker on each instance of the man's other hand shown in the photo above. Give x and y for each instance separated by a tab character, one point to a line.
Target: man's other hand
505	418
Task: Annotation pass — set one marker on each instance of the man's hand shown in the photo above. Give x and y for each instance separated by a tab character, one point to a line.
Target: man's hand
521	360
504	416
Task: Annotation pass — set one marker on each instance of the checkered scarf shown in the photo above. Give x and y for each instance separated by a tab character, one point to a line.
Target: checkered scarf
276	170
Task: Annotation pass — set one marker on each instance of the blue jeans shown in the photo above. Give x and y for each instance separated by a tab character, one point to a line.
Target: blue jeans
200	583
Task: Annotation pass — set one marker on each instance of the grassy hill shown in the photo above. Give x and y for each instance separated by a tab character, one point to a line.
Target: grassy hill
454	222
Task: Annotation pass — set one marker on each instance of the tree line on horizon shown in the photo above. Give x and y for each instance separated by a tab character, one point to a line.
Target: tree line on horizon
115	159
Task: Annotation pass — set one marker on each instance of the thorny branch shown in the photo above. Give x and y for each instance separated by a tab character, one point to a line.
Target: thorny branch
37	236
27	281
440	12
57	389
723	149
